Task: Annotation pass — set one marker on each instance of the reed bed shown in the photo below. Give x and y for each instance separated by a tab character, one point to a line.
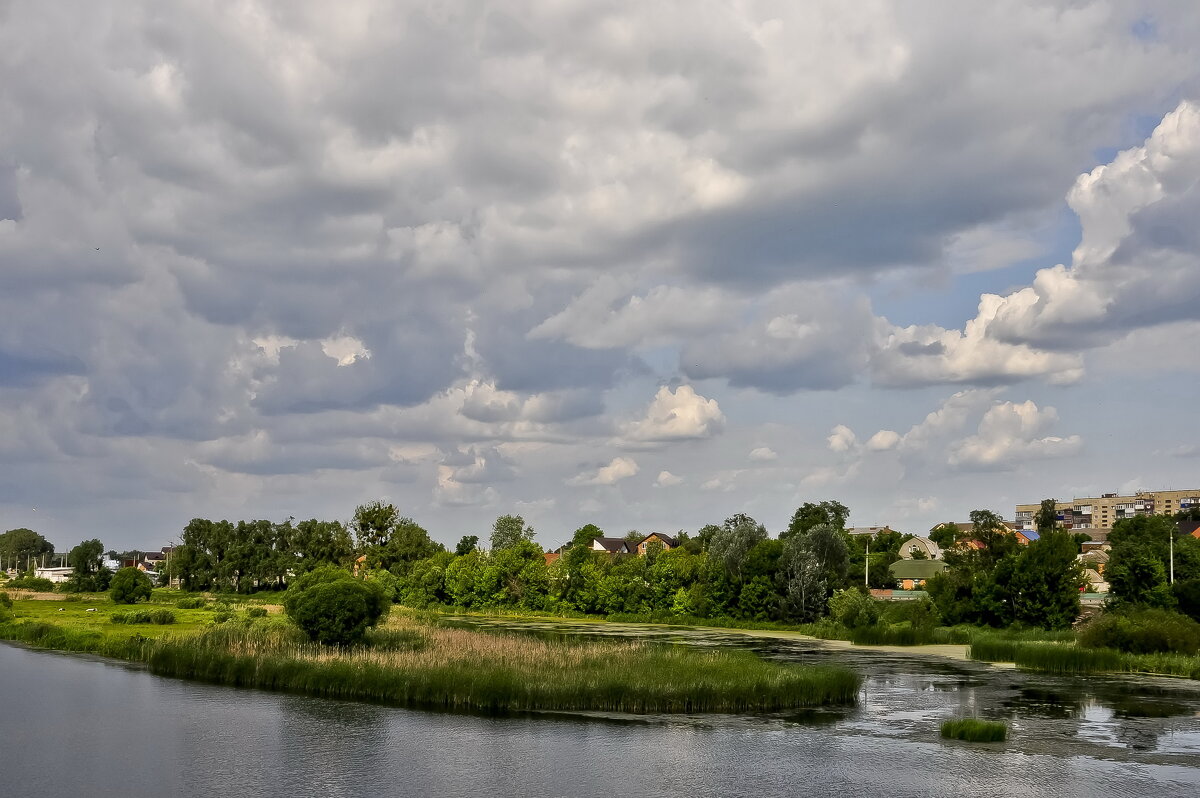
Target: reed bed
975	730
1067	658
414	665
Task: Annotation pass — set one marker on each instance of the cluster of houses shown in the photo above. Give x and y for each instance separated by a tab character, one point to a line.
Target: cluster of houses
151	562
921	558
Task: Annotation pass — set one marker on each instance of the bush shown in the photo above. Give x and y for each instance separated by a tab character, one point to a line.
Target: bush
191	603
920	613
132	616
5	601
129	585
853	608
1144	631
974	730
334	608
256	612
222	617
34	583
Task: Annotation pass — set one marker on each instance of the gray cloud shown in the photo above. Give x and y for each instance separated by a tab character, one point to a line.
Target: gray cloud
531	216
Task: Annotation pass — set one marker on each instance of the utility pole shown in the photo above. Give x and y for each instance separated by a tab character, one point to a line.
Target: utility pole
867	565
1171	538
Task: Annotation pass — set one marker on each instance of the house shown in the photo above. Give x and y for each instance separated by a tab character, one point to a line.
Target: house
668	542
920	549
869	530
1095	582
611	545
1095	559
55	575
1190	528
913	574
1026	536
552	557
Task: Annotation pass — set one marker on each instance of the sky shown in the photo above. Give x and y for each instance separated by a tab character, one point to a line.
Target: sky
643	265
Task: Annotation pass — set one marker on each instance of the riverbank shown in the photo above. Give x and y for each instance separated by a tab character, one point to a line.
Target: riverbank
416	664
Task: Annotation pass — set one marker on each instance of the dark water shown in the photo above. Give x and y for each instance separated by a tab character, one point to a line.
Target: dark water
72	726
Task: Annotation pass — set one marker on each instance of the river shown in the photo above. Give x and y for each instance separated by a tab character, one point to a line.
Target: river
79	726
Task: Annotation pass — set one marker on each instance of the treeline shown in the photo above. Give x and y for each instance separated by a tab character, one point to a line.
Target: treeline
1000	582
733	569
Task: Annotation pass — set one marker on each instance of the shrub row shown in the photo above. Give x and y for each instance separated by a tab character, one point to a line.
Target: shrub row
160	617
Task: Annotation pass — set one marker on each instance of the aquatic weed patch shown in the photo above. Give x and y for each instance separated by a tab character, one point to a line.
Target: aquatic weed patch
975	730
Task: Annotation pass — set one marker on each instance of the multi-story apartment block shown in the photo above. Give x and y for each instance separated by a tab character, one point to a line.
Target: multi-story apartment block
1097	515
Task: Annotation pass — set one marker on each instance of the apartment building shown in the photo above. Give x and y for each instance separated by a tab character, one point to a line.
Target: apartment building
1098	514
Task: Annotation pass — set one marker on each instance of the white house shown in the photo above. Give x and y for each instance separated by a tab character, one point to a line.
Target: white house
55	575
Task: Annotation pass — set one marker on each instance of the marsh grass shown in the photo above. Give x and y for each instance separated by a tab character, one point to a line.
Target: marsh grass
416	665
446	668
975	730
1068	658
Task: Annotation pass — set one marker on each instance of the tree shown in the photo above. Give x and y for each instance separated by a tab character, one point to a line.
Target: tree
733	541
334	608
466	544
20	548
585	535
508	531
997	539
129	585
373	523
946	535
1139	561
409	543
1046	582
315	543
86	562
808	515
1045	520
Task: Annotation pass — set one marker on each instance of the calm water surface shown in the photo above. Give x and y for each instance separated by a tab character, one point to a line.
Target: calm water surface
75	726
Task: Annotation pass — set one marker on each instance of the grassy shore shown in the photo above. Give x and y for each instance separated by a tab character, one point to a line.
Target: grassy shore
412	663
1069	658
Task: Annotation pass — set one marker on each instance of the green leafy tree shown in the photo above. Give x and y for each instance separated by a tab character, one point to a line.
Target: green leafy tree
466	544
997	539
316	543
733	541
809	515
853	608
373	523
129	585
334	608
1046	582
1045	520
20	548
705	535
509	531
946	535
585	535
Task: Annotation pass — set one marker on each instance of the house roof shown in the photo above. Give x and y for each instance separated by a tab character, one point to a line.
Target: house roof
1190	528
667	539
916	569
1095	556
868	530
551	556
612	544
1029	533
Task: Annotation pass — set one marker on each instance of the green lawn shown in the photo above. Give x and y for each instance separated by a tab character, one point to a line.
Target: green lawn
74	615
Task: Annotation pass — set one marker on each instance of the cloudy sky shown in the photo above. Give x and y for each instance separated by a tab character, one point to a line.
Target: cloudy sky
638	264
